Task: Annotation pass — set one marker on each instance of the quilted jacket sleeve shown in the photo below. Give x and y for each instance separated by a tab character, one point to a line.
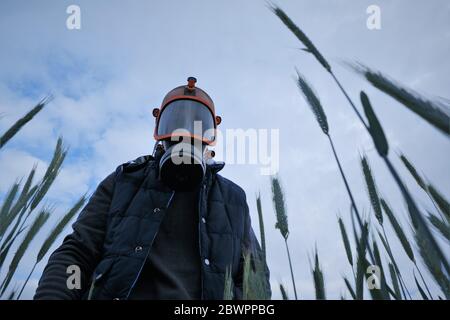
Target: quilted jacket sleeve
81	248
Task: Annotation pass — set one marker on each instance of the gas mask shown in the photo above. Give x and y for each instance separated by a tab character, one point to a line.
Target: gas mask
182	166
185	125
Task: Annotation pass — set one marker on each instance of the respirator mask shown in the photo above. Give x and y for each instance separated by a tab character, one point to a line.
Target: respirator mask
185	125
182	166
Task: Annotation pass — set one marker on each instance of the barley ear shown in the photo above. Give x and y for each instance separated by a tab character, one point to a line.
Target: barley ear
310	47
280	207
440	200
442	227
371	189
432	261
15	128
398	230
413	172
319	284
314	102
346	241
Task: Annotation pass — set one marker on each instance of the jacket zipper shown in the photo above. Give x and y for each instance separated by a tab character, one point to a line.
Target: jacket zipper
199	237
148	252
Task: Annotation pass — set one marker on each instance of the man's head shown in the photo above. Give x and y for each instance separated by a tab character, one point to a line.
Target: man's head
186	111
185	124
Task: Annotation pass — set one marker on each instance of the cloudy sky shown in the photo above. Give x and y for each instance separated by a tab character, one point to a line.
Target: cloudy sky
108	76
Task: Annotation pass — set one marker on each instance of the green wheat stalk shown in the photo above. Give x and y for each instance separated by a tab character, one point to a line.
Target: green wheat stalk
440	200
311	48
317	274
416	216
403	241
346	241
361	264
435	112
228	287
319	113
394	279
375	130
282	221
37	224
441	226
57	230
350	288
375	202
443	210
15	128
421	291
284	294
261	225
371	189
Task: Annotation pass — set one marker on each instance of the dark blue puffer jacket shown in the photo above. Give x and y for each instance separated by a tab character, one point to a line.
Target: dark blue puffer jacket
113	235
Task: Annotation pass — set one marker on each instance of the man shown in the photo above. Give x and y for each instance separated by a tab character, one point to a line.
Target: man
165	226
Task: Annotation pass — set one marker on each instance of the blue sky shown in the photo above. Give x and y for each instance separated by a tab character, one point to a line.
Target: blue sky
107	77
